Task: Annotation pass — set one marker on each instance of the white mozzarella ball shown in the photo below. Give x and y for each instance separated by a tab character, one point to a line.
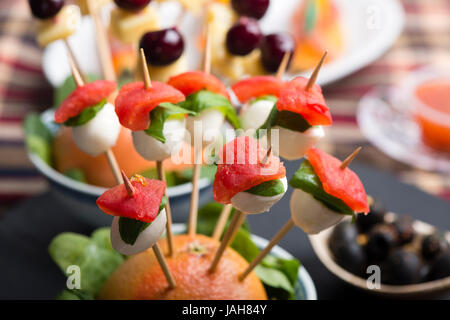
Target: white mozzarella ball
145	239
310	214
254	115
100	133
252	203
154	150
206	126
293	145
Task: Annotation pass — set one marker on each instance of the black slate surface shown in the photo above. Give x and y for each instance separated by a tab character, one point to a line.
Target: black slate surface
26	271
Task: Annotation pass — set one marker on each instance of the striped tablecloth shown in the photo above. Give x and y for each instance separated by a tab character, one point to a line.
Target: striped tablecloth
23	88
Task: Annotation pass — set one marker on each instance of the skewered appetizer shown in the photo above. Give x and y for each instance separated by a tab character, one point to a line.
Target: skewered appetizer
130	19
95	126
298	114
164	50
139	220
325	192
55	20
157	123
249	177
207	97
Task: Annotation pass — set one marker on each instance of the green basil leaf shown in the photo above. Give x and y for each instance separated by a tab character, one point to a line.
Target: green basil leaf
76	174
204	99
306	180
285	119
275	278
268	188
86	115
38	137
95	261
130	229
158	117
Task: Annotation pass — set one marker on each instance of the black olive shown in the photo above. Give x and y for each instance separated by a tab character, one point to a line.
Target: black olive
405	230
441	267
382	238
351	257
344	233
401	268
433	245
375	216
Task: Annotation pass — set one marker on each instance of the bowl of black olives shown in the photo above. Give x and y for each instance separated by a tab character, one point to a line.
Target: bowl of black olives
387	253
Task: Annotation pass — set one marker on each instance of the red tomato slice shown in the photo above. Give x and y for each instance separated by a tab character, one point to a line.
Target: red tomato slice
143	206
84	97
193	81
134	102
341	183
240	168
258	86
309	104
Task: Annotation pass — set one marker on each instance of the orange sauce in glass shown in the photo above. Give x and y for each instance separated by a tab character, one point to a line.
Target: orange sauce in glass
434	117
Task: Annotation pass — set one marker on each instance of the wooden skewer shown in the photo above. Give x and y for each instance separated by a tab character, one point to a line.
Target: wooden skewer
73	58
266	157
128	186
350	158
235	224
192	224
283	65
222	222
102	44
147	79
165	268
162	177
278	236
159	164
313	78
112	161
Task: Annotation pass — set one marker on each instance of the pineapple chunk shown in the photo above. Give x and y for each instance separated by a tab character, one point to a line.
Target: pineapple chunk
97	5
64	24
236	67
128	27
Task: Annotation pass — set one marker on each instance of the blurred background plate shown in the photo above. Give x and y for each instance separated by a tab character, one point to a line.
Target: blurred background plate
370	28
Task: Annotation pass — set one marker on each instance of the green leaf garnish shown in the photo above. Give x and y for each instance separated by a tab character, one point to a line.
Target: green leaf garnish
93	255
76	174
306	180
285	119
38	137
158	117
204	99
268	188
268	97
86	115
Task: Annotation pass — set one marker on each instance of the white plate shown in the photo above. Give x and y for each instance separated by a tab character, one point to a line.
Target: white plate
370	28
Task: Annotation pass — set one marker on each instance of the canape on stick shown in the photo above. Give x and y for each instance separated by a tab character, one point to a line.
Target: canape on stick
297	109
249	177
95	126
139	217
56	21
164	50
325	191
131	19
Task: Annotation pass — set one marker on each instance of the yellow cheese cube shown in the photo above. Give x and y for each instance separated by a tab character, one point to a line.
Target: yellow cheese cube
64	24
128	27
